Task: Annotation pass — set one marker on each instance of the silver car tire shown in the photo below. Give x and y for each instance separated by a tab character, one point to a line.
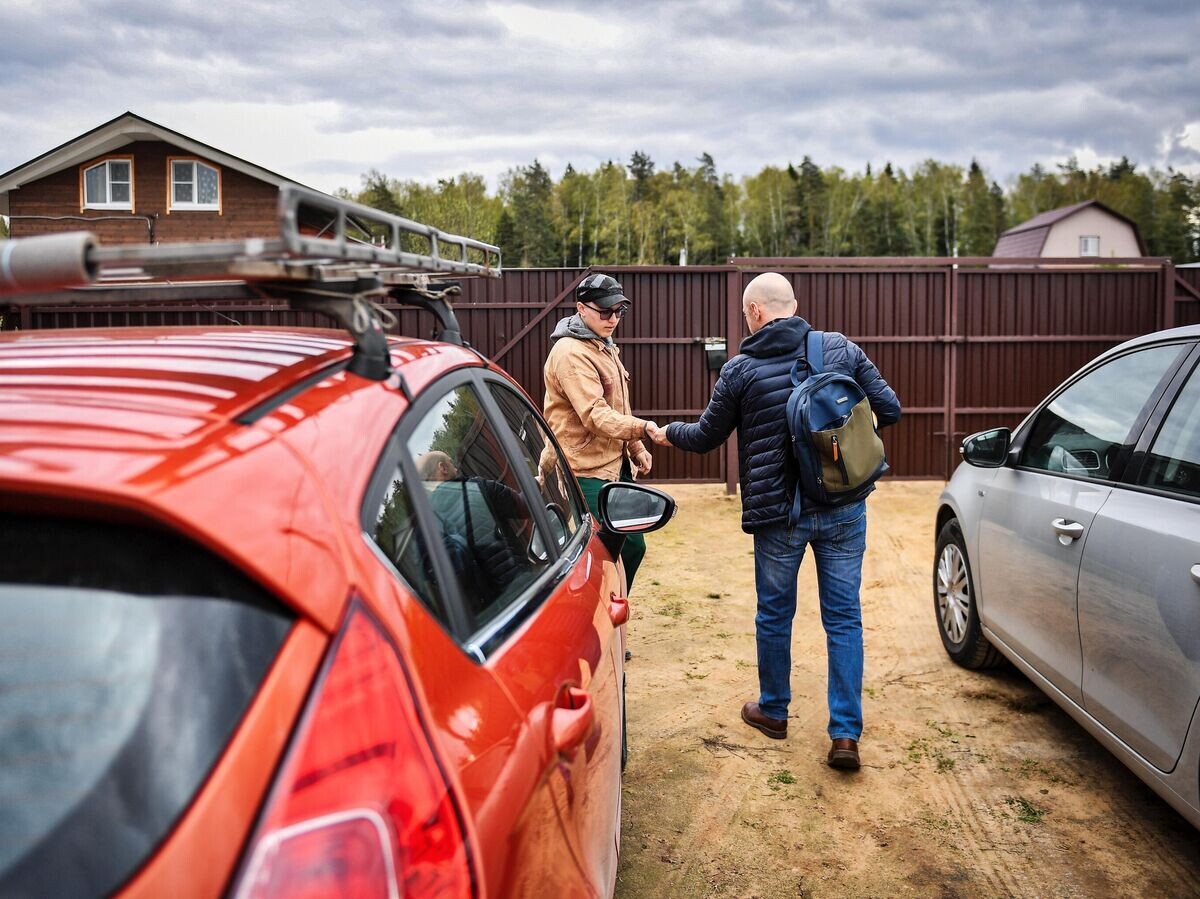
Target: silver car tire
954	603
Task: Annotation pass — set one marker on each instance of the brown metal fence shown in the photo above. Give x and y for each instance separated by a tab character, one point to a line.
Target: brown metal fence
965	345
1188	304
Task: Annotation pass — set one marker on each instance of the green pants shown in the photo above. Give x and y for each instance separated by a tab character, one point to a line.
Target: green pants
634	547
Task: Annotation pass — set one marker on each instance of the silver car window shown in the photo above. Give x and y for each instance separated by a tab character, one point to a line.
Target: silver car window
1174	460
1081	430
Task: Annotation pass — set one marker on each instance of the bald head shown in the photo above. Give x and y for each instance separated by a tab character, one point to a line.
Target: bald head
435	466
766	298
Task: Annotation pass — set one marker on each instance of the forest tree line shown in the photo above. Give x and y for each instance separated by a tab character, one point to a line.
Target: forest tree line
638	213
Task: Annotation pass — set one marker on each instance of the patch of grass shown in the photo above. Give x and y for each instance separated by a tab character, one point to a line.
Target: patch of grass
1030	768
870	691
918	750
932	822
690	676
1026	811
672	609
655	584
723	635
714	595
742	663
781	777
946	732
921	749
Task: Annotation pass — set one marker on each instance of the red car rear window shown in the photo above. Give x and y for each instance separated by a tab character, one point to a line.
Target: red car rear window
127	657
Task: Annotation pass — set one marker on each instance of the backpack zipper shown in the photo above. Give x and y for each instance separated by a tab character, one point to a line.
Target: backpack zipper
839	461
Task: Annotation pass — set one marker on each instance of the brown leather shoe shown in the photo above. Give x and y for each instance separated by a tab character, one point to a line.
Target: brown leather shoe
774	728
844	754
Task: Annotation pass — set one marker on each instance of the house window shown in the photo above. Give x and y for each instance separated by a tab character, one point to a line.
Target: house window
1089	245
108	185
194	185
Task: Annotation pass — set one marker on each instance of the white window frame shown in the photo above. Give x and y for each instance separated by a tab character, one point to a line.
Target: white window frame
108	180
1083	244
175	206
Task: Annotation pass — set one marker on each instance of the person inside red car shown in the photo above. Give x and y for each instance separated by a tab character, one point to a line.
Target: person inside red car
480	520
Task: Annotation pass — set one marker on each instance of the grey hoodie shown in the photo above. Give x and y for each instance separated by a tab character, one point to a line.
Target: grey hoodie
573	326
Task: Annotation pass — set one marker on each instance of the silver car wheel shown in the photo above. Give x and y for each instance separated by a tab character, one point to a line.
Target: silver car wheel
954	593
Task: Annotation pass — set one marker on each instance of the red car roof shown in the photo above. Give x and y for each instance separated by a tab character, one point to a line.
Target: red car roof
145	419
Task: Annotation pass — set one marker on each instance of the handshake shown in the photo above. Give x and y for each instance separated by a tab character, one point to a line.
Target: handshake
657	434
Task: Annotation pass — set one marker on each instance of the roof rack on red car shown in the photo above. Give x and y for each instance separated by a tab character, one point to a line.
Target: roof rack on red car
332	255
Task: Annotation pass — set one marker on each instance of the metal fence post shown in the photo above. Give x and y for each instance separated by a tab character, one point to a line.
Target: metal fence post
1168	294
733	330
955	348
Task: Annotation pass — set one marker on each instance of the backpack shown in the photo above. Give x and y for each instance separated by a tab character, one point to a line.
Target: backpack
838	453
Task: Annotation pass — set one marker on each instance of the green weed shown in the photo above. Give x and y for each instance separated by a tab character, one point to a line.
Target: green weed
1026	811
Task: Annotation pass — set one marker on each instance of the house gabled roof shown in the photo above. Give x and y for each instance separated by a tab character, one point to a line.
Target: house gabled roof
1028	238
124	129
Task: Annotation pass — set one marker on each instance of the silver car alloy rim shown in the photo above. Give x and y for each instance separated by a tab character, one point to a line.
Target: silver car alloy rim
953	592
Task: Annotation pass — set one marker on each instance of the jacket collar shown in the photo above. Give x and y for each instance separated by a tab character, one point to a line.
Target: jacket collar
781	337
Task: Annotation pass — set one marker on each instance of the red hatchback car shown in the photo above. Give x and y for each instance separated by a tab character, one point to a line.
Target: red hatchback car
277	629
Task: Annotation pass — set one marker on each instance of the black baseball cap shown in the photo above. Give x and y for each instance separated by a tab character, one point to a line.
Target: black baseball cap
601	290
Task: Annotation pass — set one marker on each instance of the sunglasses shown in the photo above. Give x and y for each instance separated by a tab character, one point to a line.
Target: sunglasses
606	314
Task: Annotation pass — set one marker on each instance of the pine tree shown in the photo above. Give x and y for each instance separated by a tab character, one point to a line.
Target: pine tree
529	193
807	209
641	167
979	223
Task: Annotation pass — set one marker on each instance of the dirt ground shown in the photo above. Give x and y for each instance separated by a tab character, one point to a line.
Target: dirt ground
974	784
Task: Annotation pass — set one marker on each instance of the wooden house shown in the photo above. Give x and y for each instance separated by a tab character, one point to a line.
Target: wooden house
131	180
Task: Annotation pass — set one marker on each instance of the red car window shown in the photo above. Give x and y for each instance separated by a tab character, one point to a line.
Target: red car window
127	658
559	492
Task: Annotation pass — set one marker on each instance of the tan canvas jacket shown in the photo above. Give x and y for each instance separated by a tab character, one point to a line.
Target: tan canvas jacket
587	407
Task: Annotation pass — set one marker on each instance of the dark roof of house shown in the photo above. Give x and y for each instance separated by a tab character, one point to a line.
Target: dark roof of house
1028	238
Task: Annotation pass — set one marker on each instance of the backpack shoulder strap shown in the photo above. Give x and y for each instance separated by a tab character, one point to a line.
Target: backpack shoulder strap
816	352
812	360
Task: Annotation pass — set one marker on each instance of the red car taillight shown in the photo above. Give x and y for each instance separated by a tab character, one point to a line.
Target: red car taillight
361	806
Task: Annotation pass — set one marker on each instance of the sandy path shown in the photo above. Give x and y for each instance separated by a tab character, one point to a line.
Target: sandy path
974	784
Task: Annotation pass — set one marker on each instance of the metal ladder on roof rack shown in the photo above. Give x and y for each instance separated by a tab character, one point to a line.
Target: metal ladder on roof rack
316	262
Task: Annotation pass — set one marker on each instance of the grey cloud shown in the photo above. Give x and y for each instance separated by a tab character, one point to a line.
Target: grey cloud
752	82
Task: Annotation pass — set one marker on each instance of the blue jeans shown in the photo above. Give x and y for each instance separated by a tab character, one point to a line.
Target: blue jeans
838	537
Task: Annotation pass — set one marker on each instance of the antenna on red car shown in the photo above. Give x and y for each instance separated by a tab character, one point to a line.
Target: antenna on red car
331	255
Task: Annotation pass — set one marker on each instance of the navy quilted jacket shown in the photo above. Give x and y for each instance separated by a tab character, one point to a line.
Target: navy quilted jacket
751	396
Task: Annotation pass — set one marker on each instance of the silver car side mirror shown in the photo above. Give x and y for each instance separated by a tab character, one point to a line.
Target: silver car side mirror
987	449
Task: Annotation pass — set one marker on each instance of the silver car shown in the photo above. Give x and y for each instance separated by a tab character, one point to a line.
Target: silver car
1071	546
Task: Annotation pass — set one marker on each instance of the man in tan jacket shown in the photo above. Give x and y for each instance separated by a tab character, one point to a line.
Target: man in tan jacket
587	400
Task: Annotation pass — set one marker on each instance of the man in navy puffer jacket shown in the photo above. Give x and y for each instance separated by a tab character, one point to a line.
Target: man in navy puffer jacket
751	396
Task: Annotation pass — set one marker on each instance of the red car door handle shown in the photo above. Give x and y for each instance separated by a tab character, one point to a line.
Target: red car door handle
618	609
572	718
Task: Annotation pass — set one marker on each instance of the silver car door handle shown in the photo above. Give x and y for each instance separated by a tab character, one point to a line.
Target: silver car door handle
1070	530
1196	573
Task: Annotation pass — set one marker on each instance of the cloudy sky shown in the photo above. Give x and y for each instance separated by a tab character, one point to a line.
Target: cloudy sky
322	92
